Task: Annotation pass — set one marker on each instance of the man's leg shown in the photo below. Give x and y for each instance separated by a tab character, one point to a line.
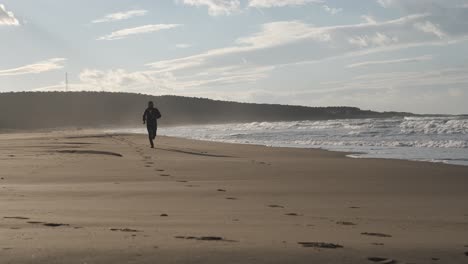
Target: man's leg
155	132
150	135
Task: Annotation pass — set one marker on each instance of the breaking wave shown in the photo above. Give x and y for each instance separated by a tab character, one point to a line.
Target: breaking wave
437	139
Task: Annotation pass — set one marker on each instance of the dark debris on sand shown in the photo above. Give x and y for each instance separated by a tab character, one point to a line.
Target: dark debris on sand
375	234
35	222
345	223
382	260
124	230
55	224
319	245
292	214
92	152
275	206
205	238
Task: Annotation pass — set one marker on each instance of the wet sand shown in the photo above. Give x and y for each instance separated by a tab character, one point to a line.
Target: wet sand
78	197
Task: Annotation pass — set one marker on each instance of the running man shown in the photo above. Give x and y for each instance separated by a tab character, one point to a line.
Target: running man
150	118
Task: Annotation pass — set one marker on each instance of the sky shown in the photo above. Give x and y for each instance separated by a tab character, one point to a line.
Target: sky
384	55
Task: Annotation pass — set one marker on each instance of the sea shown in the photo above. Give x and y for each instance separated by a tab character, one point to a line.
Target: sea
441	139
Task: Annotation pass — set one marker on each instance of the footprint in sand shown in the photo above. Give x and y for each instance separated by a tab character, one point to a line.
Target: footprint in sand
292	214
160	170
231	198
221	190
164	215
124	230
164	175
375	234
382	260
35	222
345	223
378	244
16	217
319	245
205	238
181	181
55	224
275	206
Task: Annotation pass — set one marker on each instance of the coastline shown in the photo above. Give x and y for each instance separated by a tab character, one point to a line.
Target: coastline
149	206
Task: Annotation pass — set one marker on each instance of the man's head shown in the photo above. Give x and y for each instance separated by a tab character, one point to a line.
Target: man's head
150	104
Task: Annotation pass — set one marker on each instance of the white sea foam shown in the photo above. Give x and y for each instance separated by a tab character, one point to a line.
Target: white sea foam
437	139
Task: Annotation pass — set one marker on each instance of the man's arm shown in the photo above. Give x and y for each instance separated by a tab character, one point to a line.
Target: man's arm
144	116
158	114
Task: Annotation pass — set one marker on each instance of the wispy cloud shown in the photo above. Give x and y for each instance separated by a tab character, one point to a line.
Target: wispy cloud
430	28
271	35
121	16
215	7
332	10
346	39
154	82
281	3
7	18
386	62
38	67
124	33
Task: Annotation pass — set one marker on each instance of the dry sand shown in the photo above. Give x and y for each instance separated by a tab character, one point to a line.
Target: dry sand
77	198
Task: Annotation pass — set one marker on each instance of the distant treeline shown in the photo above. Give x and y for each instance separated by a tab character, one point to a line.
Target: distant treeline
37	110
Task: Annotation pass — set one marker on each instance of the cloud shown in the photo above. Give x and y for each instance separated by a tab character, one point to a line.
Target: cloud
419	5
387	62
272	34
7	18
379	39
332	10
121	16
332	41
281	3
429	27
215	7
228	7
124	33
155	82
39	67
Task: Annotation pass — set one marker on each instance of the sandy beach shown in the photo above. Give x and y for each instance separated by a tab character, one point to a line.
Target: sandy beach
87	197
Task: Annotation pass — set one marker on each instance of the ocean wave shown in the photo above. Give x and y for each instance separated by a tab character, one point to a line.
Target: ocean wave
437	126
421	138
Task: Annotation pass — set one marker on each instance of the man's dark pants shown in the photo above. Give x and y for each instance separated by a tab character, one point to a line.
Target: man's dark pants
152	128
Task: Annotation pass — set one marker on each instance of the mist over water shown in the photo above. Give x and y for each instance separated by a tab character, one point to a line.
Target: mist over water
436	139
